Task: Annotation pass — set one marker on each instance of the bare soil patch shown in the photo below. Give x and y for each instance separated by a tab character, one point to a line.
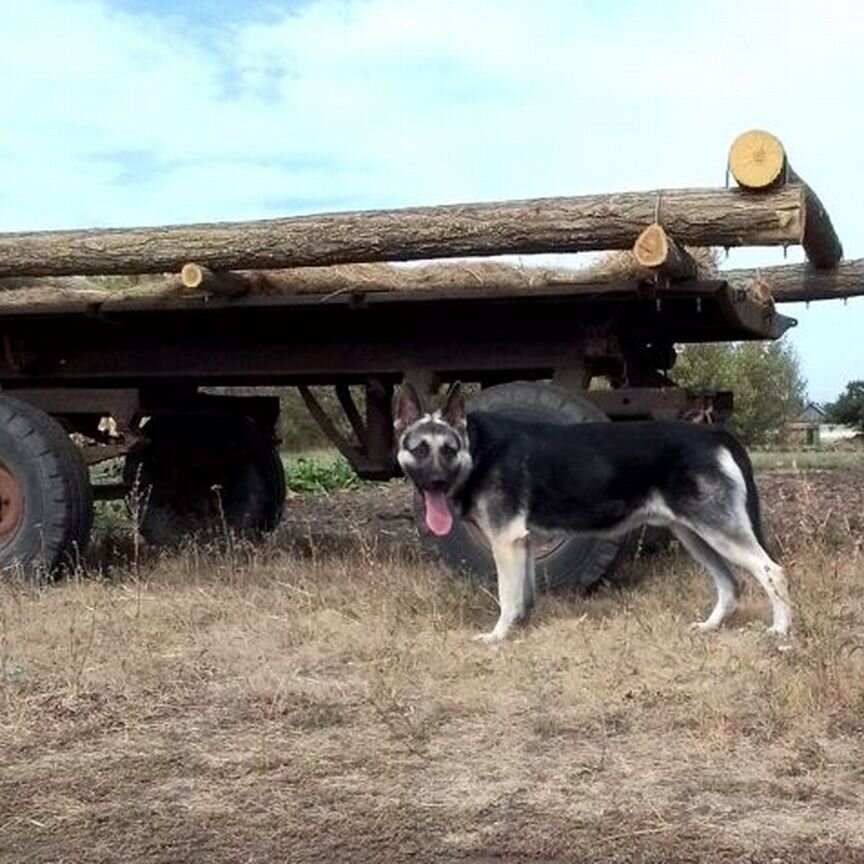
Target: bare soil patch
264	705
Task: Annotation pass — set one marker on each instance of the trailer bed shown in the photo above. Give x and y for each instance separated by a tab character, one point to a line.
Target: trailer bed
303	338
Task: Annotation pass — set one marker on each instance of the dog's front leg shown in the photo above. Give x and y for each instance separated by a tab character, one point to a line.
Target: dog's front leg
514	565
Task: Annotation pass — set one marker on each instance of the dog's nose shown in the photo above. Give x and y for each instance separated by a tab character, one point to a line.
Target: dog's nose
432	477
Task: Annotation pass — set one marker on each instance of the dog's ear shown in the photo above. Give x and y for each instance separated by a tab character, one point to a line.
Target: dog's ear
453	411
406	408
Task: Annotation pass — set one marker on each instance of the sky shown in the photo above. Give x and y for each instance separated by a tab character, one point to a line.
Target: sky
126	112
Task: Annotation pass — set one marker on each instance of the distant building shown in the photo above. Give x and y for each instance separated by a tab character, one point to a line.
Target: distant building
812	414
811	429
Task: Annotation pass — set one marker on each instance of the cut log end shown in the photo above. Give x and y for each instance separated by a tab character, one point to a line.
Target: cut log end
192	275
760	291
655	250
225	284
757	160
651	248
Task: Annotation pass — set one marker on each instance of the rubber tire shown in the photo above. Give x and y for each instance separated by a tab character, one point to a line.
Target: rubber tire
579	562
58	498
253	490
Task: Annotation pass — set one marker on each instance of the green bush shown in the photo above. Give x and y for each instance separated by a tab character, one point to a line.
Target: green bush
764	377
317	474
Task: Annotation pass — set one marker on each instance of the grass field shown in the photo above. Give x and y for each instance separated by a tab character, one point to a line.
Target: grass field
263	706
805	460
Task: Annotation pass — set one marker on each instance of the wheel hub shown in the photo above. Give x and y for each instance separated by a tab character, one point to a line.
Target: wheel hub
11	505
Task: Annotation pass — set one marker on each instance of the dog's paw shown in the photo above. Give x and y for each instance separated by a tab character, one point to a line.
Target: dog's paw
704	626
491	638
779	638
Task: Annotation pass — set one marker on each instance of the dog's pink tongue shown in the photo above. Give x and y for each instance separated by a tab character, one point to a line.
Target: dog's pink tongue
438	516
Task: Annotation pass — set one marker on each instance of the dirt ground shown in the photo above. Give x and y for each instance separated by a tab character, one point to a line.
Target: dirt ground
320	699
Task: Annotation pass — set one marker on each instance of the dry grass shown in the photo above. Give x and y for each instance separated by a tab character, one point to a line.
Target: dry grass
264	707
807	460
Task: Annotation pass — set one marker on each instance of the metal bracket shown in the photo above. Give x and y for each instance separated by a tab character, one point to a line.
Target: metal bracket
372	455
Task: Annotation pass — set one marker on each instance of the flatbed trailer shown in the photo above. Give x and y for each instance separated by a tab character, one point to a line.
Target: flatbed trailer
128	363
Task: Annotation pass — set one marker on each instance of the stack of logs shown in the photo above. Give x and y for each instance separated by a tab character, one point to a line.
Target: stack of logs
772	206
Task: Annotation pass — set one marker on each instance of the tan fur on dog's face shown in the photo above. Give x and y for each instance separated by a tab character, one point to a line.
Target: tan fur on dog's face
432	448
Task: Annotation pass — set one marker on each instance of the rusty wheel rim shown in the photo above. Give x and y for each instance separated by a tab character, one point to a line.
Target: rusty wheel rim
11	505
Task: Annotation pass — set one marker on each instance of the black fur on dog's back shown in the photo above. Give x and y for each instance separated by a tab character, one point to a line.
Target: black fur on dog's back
588	477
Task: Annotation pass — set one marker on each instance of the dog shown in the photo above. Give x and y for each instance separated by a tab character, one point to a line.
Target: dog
512	478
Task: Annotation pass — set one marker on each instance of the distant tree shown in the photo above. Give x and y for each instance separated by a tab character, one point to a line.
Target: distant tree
764	377
849	407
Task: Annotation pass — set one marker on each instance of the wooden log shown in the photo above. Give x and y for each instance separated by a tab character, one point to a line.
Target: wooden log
790	283
697	217
758	162
655	250
225	284
786	283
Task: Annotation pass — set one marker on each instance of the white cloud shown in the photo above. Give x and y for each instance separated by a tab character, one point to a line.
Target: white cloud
116	117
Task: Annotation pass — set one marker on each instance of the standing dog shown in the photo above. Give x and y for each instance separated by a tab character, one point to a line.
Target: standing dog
511	477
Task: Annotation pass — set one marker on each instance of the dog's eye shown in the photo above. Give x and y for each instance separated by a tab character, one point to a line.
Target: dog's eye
419	451
448	451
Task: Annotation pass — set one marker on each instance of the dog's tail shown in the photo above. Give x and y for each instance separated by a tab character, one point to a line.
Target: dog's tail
742	460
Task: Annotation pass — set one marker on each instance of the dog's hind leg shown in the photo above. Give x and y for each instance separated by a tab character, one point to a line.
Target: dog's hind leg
724	578
514	565
530	579
740	546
